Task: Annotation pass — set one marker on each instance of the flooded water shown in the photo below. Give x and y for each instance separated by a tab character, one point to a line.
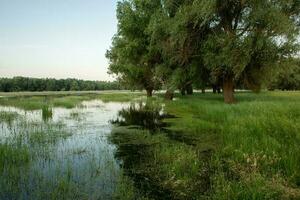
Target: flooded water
145	115
65	153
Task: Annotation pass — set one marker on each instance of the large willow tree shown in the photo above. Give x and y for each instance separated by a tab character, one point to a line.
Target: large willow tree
178	39
131	56
234	40
188	41
249	39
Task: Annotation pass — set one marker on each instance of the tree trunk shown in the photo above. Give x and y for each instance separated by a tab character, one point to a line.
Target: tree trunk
149	92
214	89
169	95
189	89
182	91
228	88
203	90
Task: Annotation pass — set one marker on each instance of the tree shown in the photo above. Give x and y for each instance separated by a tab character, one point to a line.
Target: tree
250	38
131	56
74	86
175	32
18	84
288	78
186	42
236	40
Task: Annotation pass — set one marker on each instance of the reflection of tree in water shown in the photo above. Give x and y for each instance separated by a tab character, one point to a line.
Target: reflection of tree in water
145	115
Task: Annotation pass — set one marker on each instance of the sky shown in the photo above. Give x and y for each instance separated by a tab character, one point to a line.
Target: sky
56	38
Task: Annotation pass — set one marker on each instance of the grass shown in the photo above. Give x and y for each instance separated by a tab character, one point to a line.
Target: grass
120	97
42	102
249	150
13	155
65	100
8	117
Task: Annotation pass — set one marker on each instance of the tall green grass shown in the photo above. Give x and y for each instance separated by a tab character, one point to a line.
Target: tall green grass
249	150
8	117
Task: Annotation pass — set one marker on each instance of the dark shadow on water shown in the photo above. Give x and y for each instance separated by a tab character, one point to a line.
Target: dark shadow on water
148	116
143	115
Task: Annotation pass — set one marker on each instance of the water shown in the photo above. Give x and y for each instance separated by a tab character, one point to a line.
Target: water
145	115
70	156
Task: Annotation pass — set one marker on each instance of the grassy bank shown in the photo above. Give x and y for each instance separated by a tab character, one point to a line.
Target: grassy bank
215	151
40	100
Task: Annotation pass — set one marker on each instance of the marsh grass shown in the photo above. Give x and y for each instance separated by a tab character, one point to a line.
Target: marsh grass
120	97
249	150
42	158
41	102
46	137
47	113
125	190
65	101
13	155
77	115
8	117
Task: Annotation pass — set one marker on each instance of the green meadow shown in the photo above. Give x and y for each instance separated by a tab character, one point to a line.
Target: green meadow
125	146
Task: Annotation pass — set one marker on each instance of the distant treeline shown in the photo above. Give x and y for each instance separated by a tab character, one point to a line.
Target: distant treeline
18	84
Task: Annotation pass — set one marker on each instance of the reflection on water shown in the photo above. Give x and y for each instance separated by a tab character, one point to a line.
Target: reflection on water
65	153
146	115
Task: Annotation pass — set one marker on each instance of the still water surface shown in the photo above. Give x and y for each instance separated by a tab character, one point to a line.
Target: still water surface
69	151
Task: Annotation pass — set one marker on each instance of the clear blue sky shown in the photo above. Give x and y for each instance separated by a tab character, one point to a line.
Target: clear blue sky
56	38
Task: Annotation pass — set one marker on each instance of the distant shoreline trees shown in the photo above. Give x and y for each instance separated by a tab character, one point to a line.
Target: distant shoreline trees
24	84
178	44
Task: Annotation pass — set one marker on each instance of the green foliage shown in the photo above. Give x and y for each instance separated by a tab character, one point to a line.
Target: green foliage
21	84
233	43
251	38
287	78
131	56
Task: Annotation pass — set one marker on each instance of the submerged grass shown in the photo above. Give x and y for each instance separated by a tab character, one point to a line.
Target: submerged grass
45	158
249	150
8	117
65	101
13	155
42	102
